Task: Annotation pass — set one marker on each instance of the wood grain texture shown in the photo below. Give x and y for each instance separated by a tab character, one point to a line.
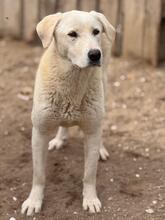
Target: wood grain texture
1	18
152	30
46	7
65	5
134	15
87	5
31	18
12	18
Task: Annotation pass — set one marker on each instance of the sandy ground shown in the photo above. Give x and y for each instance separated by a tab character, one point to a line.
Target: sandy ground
131	184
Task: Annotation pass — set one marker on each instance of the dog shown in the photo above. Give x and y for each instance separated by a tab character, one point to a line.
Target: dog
69	91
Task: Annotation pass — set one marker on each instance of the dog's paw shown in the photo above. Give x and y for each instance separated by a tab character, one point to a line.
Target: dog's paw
31	205
56	143
103	153
93	205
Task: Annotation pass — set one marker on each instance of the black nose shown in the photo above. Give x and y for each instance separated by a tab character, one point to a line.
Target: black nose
94	55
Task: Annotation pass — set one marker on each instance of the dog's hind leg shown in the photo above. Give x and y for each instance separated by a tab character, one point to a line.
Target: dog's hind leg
60	139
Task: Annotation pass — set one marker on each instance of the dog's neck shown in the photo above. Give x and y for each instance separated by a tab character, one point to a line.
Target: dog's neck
63	76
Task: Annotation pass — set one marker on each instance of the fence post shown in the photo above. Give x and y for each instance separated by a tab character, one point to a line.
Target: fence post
12	18
152	30
30	18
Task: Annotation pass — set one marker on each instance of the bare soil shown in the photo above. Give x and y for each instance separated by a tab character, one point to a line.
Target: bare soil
131	184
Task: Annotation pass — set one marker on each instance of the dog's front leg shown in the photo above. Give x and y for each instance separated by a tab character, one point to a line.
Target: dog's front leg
92	146
39	149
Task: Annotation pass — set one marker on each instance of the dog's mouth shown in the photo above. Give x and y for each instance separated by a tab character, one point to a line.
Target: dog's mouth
92	63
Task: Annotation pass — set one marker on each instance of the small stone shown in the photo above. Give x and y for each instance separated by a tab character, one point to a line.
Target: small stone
22	128
140	168
154	202
75	213
142	79
137	175
110	198
122	77
6	133
149	211
12	218
116	84
23	97
124	106
113	127
14	198
112	180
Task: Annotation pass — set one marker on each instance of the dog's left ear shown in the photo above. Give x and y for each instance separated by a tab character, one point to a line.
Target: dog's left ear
107	27
46	27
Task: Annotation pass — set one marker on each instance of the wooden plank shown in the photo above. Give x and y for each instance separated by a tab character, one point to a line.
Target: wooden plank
12	18
47	7
110	9
65	5
134	14
151	30
87	5
1	18
163	8
30	18
113	10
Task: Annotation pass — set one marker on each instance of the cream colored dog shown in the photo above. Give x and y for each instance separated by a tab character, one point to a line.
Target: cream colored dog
69	91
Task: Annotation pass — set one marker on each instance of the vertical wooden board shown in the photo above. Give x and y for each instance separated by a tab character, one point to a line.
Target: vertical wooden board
134	14
47	7
151	30
163	9
1	18
65	5
110	9
12	18
113	9
161	47
30	18
87	5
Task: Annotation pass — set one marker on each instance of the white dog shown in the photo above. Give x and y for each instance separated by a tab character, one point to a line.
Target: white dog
69	91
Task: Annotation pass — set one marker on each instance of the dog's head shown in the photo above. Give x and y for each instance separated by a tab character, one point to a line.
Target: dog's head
77	35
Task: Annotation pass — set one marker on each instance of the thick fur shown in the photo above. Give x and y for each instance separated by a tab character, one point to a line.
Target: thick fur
69	92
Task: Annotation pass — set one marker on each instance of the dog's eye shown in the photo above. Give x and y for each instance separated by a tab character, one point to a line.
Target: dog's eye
73	34
96	31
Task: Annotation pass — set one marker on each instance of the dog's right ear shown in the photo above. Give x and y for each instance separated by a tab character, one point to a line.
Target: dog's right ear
45	28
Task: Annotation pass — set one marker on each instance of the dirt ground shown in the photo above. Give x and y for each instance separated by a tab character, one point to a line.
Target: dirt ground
131	184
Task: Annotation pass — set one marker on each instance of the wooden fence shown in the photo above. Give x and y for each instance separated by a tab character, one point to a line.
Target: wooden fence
141	23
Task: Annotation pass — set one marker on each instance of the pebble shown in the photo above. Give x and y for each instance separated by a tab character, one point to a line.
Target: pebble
137	175
154	202
113	127
122	77
12	218
75	213
142	79
14	198
23	97
112	180
116	84
124	106
149	211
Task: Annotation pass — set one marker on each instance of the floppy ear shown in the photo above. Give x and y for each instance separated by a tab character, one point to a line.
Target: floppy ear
46	27
107	27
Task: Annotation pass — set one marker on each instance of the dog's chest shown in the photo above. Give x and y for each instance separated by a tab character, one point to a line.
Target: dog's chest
76	102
